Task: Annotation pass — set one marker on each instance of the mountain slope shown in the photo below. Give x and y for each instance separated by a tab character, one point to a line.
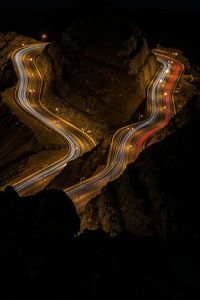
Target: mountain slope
157	195
97	73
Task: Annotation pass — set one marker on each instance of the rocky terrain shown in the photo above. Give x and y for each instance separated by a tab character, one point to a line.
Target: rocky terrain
139	238
93	162
158	194
8	43
97	73
18	142
42	257
97	67
85	166
101	65
25	142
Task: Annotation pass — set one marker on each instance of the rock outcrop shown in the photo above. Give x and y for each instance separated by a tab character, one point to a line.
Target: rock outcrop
97	73
158	194
100	68
8	43
25	142
85	166
18	142
42	257
187	88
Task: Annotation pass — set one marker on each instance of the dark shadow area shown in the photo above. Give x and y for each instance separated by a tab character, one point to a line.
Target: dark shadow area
42	258
176	29
41	254
170	28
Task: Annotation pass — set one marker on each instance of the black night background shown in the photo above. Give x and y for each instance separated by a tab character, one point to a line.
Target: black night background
119	84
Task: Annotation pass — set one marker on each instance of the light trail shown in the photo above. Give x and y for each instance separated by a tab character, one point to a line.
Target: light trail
160	109
28	97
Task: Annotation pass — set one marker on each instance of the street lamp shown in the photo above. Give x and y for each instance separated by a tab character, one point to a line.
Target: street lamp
44	36
81	179
57	110
43	173
140	116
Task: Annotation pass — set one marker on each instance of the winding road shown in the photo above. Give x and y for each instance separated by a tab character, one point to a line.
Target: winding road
27	97
127	142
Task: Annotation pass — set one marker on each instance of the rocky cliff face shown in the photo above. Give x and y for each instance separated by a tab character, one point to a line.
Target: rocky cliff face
85	166
97	73
25	142
42	257
9	42
187	89
18	142
158	194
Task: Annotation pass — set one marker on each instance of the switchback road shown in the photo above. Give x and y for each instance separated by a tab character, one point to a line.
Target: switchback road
27	97
127	142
